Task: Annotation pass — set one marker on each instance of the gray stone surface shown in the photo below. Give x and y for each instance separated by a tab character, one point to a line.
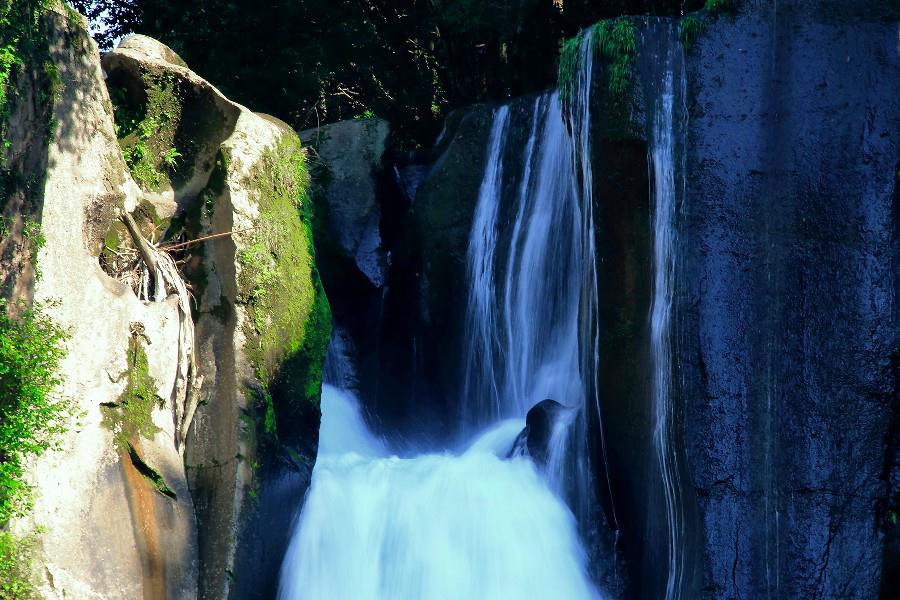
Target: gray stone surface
351	152
787	303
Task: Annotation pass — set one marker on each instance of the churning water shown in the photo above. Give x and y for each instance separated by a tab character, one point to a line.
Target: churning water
434	527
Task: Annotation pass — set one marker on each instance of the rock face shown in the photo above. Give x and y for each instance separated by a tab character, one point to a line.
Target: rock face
785	313
351	153
787	305
129	511
109	532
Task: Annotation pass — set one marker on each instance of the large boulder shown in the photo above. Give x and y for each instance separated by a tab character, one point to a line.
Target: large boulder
262	319
349	159
117	521
158	505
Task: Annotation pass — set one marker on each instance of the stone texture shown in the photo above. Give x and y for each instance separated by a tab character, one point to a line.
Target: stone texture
787	307
350	155
109	534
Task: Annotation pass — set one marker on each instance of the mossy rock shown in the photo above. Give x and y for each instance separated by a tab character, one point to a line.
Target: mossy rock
289	318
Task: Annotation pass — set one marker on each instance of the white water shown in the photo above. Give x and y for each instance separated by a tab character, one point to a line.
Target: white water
477	525
434	527
533	337
662	163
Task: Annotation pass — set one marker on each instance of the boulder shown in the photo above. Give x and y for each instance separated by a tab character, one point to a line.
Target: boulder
126	509
540	422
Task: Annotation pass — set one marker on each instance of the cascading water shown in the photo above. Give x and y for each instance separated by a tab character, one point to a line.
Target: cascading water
533	338
663	192
478	524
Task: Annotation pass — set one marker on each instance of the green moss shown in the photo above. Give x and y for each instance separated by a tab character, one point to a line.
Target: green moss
689	30
146	131
289	316
131	416
153	476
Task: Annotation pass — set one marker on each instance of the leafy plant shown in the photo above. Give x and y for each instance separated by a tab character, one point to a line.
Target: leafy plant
569	60
32	415
147	133
690	29
15	567
616	42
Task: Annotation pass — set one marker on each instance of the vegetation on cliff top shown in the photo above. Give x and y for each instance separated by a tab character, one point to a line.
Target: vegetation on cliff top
333	59
614	42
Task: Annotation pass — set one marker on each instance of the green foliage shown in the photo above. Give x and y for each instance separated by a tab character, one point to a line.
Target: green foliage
32	415
569	60
147	132
15	567
718	7
690	29
131	416
615	42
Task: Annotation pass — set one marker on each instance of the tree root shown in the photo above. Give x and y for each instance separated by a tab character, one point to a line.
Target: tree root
168	280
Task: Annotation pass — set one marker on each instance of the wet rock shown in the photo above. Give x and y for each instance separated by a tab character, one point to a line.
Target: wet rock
540	422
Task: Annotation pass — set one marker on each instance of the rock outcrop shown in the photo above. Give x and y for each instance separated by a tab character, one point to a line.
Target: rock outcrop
156	507
787	307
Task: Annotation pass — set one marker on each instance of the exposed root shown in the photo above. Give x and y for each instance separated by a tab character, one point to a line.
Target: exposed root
158	265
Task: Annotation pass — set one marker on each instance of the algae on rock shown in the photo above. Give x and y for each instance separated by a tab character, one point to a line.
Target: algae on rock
131	416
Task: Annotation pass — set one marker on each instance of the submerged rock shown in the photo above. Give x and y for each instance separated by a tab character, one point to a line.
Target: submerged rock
540	423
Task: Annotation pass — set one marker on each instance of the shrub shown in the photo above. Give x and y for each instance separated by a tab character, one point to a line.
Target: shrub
15	567
691	29
32	415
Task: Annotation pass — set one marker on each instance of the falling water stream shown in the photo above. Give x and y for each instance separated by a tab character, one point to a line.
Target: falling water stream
475	523
664	180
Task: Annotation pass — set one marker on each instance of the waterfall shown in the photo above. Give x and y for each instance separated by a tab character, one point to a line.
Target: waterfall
481	378
533	337
663	193
478	523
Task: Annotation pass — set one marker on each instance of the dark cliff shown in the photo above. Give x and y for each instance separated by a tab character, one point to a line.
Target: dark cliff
786	307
